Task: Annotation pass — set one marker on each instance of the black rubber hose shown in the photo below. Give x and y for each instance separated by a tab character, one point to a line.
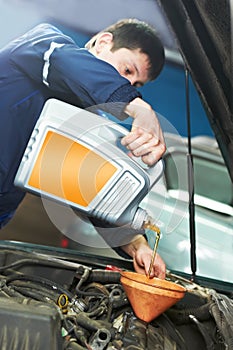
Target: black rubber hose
43	281
9	291
29	285
182	316
41	262
104	276
93	325
100	276
20	297
36	294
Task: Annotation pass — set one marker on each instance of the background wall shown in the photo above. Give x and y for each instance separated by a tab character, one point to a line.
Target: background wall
81	19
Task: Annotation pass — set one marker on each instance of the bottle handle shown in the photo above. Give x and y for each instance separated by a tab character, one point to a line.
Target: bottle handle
113	132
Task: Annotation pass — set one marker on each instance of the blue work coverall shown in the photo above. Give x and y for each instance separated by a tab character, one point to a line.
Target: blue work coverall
41	64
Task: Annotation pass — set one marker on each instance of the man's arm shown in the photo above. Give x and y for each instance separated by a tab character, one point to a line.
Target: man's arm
131	244
51	59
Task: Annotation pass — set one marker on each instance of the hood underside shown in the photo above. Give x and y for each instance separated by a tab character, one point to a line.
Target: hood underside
203	30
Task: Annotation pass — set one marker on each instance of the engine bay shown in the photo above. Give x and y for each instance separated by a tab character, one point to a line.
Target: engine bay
57	299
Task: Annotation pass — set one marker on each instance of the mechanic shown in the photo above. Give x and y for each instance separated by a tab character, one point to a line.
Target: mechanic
44	63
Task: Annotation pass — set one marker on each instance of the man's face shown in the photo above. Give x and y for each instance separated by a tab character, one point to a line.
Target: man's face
131	64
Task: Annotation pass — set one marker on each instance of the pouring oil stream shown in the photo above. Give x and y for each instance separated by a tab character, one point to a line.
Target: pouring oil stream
150	226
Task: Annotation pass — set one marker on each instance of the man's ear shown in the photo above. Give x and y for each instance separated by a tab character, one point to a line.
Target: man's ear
102	41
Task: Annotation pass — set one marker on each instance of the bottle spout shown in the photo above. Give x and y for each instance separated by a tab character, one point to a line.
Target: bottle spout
139	219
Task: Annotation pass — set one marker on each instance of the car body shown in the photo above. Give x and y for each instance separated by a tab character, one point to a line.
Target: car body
168	202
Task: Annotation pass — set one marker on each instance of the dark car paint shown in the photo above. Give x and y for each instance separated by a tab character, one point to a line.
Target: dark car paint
204	39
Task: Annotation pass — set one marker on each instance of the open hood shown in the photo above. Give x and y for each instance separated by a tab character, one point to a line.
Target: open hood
204	34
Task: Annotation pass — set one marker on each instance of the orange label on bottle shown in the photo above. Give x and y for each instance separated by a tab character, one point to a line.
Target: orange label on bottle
69	170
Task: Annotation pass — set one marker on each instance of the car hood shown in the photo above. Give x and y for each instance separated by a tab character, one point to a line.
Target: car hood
203	31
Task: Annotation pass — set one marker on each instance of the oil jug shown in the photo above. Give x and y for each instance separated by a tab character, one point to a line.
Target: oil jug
74	157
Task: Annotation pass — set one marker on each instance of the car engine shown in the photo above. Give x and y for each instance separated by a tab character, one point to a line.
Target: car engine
55	300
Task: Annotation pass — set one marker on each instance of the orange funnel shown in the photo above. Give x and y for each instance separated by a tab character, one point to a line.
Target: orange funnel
150	297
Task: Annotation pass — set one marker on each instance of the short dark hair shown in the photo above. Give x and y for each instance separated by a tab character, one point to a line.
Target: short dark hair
135	34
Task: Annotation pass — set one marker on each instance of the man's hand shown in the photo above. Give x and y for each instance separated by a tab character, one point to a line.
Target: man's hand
141	253
146	137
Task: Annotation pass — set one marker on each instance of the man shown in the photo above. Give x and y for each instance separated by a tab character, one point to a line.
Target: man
44	63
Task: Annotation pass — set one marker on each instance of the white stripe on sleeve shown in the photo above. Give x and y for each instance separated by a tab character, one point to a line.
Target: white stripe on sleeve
47	56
